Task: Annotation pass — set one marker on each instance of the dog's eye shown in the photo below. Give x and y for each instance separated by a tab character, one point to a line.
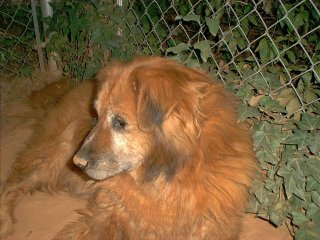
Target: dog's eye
118	123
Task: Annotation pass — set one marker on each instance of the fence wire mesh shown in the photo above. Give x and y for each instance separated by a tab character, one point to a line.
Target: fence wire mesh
271	43
17	39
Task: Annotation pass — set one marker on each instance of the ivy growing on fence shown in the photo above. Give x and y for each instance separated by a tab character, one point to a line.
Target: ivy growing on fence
85	35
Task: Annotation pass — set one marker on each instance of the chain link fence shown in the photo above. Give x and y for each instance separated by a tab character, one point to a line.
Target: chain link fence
271	43
248	40
266	51
18	56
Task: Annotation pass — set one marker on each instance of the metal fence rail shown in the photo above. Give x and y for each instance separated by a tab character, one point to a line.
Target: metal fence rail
240	39
17	39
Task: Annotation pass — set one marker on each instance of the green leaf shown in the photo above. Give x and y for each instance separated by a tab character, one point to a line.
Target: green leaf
241	43
260	192
205	50
263	165
308	231
259	83
312	209
245	111
277	213
244	93
307	78
26	71
315	143
281	38
313	168
189	17
270	105
289	180
291	56
263	213
288	152
253	20
192	63
285	171
270	184
263	49
179	48
275	218
293	105
299	19
311	184
268	136
315	198
289	185
296	203
267	156
297	162
213	25
309	122
299	193
273	79
299	218
310	95
260	139
301	138
231	42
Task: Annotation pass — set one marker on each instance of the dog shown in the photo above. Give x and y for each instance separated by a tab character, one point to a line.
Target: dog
165	157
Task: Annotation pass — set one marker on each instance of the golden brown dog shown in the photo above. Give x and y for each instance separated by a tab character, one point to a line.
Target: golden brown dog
172	161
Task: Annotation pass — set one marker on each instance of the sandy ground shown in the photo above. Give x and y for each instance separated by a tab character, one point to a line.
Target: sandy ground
41	215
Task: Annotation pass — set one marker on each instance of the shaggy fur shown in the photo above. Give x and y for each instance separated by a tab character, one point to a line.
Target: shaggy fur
172	161
46	162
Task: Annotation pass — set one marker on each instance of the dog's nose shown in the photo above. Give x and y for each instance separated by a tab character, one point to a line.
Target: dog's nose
80	162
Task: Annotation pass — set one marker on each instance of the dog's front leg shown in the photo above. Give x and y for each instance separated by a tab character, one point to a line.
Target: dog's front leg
94	227
9	199
103	219
45	166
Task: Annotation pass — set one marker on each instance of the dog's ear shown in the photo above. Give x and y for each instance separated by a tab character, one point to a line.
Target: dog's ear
153	102
164	93
169	104
149	113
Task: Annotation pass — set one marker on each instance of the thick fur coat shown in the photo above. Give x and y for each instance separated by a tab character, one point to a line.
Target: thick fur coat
168	157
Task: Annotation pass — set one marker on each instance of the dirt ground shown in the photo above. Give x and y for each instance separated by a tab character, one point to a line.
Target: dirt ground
41	215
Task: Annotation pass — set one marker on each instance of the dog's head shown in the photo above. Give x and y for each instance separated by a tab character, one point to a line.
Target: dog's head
149	113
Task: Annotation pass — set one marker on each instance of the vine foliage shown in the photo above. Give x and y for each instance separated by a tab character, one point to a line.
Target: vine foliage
85	35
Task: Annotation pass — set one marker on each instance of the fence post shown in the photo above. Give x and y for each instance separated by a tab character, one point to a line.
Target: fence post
47	11
38	46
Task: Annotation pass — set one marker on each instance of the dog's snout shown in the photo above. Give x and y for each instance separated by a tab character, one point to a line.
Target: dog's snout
80	162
